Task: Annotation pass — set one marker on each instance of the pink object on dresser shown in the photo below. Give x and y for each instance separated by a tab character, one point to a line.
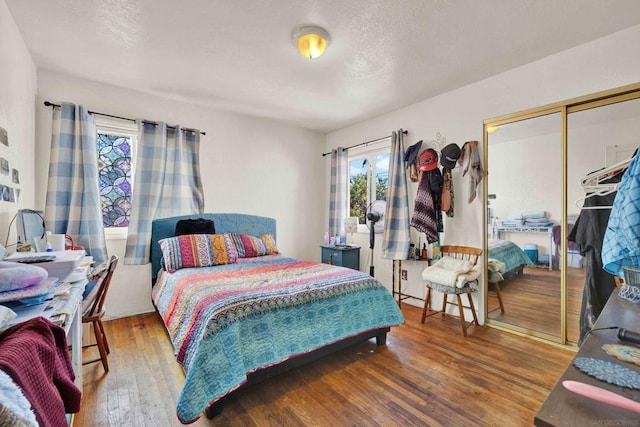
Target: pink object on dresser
602	395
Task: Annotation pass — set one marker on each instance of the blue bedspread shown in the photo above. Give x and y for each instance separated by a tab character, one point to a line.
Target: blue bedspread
230	320
509	253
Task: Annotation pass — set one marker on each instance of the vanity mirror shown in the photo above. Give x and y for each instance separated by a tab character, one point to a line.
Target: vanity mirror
540	283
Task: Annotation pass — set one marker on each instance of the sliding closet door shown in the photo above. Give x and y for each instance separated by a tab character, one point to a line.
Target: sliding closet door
599	134
524	188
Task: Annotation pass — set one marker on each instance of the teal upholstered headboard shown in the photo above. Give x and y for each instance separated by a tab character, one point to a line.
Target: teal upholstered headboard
224	223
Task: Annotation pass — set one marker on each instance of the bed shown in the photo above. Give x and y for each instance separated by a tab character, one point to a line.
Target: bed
239	322
510	254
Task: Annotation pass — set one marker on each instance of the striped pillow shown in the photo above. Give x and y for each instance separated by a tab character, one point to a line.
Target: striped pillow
197	250
251	246
270	243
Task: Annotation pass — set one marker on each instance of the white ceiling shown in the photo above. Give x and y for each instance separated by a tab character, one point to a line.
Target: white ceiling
239	56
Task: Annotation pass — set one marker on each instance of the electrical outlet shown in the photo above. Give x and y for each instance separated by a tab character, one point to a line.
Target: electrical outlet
403	274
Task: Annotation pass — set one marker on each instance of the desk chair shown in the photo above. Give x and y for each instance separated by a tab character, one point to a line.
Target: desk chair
458	252
93	311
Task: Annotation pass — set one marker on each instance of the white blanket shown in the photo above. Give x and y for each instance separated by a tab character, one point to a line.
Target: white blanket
496	268
452	272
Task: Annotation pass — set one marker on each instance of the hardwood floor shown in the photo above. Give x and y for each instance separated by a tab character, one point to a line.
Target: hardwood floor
428	374
532	301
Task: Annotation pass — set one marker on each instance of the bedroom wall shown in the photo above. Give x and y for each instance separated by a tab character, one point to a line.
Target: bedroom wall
249	165
603	64
538	161
587	149
586	153
17	112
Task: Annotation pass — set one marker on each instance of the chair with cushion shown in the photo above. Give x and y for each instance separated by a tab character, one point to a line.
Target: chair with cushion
449	276
93	311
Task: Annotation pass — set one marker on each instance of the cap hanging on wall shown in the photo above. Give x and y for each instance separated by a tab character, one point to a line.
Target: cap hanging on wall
428	160
411	154
449	156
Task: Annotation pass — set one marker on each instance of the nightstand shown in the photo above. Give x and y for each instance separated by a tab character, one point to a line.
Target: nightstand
343	255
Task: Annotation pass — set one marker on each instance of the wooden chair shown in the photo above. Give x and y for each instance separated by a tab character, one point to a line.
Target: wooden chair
93	311
496	285
458	252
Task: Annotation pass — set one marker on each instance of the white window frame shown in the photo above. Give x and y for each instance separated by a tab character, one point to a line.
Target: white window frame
370	153
129	129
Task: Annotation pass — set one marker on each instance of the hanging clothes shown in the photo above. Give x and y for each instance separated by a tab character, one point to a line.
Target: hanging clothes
447	193
588	232
436	180
411	158
621	245
424	215
471	166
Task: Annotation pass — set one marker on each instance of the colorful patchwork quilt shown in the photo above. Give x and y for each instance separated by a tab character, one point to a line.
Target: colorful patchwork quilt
509	253
229	320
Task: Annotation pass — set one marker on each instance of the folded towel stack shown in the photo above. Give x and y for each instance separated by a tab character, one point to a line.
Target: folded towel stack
536	219
534	215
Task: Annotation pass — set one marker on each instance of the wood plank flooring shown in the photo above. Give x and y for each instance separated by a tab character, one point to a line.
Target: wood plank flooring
428	374
532	301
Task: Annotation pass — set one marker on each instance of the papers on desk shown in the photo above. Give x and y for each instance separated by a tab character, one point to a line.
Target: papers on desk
58	309
25	312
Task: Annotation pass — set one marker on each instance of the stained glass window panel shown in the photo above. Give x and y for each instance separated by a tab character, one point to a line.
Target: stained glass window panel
114	162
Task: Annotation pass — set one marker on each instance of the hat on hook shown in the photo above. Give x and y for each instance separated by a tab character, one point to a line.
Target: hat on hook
428	160
412	152
449	156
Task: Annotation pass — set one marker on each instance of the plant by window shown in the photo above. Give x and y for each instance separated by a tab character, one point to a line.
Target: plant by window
368	181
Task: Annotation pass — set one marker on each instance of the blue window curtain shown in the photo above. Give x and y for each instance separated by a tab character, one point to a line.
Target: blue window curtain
73	193
339	193
167	183
396	238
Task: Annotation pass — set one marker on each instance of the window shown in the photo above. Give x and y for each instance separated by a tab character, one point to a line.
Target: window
368	181
116	141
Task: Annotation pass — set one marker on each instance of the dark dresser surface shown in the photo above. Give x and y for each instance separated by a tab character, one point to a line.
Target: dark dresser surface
345	256
565	408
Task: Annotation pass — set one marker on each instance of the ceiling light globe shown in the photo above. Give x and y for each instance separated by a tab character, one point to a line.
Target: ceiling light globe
311	42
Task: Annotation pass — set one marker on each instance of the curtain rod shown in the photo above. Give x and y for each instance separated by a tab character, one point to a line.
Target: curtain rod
51	104
368	142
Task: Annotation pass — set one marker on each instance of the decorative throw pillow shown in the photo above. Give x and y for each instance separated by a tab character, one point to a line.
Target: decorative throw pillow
197	250
195	226
252	246
270	243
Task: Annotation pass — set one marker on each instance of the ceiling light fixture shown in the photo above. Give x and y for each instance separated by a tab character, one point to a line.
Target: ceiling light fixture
311	41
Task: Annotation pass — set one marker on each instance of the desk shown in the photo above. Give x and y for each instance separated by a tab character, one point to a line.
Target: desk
499	234
66	311
397	279
564	408
69	316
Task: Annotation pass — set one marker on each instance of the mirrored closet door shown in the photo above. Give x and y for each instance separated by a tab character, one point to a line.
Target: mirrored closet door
602	137
524	161
546	214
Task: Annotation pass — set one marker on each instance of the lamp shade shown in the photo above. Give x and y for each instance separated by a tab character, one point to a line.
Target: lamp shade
311	42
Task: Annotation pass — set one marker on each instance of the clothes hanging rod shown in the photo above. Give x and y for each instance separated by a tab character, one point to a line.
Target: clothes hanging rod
51	104
368	142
